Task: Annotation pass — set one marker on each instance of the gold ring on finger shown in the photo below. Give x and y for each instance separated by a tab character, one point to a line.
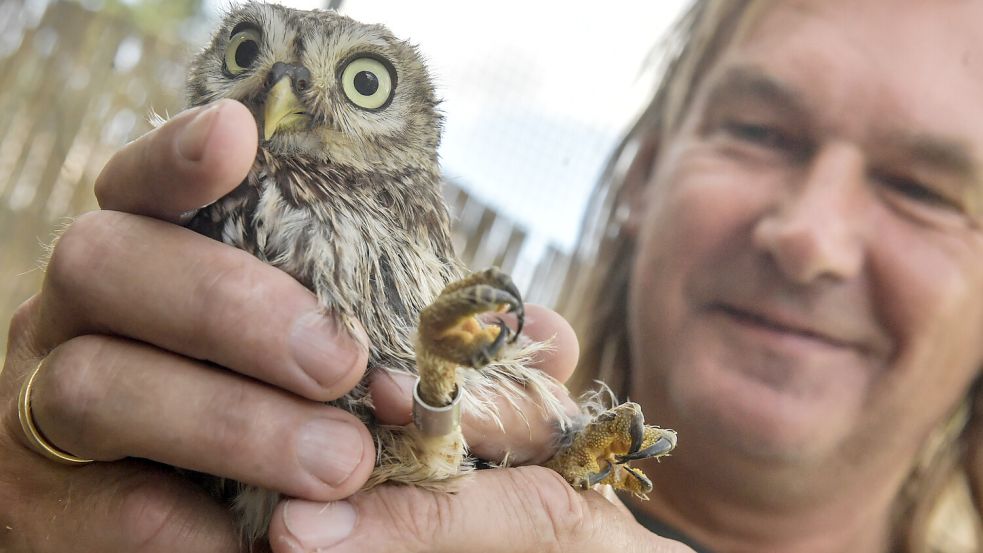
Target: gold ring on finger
37	440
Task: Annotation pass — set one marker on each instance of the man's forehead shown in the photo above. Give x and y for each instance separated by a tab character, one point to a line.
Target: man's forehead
837	63
929	46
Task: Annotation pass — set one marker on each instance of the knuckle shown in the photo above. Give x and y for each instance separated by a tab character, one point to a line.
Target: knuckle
232	423
228	294
418	518
72	386
557	511
82	248
146	511
231	428
149	513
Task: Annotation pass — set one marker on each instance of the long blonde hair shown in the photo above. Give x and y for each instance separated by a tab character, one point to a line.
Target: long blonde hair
940	508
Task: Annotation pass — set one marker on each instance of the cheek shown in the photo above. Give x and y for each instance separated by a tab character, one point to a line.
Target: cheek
929	287
697	210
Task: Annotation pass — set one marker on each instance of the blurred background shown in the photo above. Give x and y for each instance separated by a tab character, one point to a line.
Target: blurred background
535	94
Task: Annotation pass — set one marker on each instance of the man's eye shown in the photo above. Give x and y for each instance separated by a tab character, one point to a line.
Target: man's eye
767	137
758	134
913	189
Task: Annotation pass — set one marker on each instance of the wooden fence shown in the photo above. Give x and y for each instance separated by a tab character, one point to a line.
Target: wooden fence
77	85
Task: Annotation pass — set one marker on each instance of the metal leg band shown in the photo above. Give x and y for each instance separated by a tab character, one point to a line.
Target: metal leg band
436	421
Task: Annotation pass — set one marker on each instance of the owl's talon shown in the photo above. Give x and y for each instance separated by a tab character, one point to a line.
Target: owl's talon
520	316
637	432
518	307
486	354
662	445
501	282
612	440
645	485
448	327
595	478
451	335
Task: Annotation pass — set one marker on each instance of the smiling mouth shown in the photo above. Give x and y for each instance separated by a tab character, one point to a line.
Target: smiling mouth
762	321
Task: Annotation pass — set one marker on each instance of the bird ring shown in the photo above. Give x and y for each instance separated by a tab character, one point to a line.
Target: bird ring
34	437
436	421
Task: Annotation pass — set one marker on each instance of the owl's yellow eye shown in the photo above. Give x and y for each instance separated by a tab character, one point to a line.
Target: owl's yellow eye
368	82
242	51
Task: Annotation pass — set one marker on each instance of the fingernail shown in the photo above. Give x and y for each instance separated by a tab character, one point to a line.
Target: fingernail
324	350
318	525
192	139
329	449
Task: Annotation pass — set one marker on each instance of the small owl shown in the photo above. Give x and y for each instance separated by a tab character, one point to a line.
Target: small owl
345	196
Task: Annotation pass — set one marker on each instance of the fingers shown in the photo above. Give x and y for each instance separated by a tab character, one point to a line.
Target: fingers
127	506
108	398
121	508
528	509
192	160
528	436
118	274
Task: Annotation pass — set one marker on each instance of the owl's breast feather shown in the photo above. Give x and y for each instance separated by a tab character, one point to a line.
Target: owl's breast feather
366	250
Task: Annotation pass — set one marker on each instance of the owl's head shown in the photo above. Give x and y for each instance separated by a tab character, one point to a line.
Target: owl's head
322	86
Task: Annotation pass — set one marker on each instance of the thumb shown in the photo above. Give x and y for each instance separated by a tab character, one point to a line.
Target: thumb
191	160
526	509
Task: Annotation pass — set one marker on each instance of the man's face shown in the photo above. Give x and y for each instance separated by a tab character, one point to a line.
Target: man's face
809	279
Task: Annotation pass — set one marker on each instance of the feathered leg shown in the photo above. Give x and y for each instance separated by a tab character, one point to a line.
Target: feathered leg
449	337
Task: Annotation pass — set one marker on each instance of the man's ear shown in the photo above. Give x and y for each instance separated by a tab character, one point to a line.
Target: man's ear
632	197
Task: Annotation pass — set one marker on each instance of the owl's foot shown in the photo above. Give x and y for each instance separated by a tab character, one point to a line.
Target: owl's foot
431	453
450	336
602	451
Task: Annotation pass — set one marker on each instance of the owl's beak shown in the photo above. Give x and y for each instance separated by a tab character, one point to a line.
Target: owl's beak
283	111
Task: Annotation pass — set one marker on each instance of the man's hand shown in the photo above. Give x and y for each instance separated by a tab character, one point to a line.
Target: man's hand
520	510
164	345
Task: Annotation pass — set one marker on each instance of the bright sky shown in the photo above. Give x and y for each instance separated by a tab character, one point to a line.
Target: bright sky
535	92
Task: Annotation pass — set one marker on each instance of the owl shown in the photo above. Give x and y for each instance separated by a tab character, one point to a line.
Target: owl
344	195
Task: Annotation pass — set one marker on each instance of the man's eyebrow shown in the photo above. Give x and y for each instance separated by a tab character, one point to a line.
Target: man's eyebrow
938	152
745	82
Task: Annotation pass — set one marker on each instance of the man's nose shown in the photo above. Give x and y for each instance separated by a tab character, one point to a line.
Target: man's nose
814	231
